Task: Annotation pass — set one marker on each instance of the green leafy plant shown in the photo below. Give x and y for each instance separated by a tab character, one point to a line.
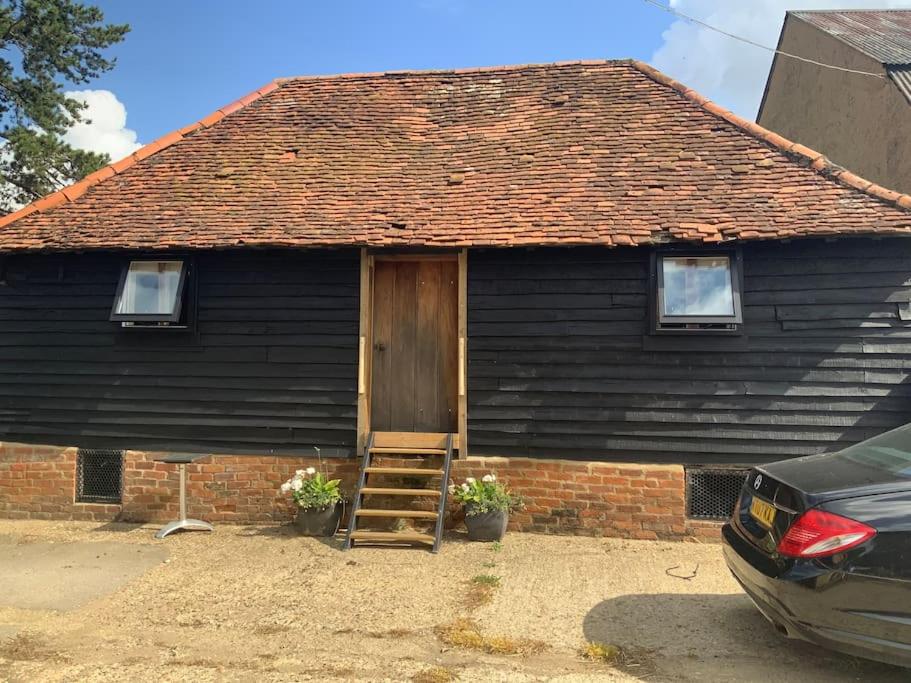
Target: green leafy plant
485	495
312	490
486	580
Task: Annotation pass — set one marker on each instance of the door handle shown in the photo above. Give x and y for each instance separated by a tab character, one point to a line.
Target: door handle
379	346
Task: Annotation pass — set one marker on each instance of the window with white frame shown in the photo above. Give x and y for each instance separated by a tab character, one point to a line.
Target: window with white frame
151	291
697	292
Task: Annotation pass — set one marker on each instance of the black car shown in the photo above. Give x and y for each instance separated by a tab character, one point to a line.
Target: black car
822	545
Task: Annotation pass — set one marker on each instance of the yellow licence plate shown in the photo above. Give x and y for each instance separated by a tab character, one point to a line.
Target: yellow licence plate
762	512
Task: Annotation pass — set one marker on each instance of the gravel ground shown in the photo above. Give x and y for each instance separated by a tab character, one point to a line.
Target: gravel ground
258	603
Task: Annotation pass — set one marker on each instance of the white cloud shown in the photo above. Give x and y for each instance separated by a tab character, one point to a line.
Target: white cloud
726	70
103	128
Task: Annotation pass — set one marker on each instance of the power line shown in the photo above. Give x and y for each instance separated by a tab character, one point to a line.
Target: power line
680	15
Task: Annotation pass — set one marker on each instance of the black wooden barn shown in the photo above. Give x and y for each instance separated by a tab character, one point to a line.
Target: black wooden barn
581	261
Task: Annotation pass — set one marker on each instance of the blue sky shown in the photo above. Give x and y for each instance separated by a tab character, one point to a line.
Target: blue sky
185	58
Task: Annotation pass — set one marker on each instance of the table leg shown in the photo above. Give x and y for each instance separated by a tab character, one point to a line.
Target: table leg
183	523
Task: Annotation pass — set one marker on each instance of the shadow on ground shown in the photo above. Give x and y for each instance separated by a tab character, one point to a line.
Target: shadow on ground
711	637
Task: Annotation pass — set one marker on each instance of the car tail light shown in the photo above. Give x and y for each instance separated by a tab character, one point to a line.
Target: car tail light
817	533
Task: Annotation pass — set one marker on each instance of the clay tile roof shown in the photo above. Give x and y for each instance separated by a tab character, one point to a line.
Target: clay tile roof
608	152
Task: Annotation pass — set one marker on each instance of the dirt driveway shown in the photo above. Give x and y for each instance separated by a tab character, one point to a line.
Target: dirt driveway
257	603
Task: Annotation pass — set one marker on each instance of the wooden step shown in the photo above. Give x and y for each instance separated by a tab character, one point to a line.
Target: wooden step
414	471
370	490
389	450
411	439
412	514
391	537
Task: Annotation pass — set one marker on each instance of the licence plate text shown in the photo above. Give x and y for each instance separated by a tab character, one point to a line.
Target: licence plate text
762	512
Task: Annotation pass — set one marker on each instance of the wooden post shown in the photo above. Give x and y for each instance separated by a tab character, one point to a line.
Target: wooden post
365	351
463	354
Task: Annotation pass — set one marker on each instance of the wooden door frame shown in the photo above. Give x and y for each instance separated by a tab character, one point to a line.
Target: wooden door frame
365	340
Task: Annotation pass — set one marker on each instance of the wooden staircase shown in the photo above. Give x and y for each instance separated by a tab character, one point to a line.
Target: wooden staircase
423	448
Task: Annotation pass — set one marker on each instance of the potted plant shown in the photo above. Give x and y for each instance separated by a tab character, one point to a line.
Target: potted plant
487	505
318	500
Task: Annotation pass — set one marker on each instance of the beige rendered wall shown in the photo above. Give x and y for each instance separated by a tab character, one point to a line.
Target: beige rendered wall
859	122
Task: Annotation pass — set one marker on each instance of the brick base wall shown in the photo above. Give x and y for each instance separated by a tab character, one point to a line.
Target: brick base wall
561	496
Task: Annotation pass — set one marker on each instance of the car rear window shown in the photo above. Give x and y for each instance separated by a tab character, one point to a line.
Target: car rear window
889	452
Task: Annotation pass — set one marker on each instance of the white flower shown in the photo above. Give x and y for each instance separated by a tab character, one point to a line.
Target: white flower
470	480
299	473
286	487
297	485
311	470
489	478
452	488
464	487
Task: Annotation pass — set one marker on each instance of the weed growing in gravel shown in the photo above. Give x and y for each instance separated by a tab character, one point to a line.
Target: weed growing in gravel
28	647
437	674
496	546
600	652
489	565
480	590
466	634
486	580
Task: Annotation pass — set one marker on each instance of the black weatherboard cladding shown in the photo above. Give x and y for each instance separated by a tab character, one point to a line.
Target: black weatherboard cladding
272	369
560	362
561	365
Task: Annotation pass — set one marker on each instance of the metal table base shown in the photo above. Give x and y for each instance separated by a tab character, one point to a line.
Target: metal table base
184	523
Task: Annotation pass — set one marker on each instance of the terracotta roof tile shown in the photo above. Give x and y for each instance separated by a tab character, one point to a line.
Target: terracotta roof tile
611	153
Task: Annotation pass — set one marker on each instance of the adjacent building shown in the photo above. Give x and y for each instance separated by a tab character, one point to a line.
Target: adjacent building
859	121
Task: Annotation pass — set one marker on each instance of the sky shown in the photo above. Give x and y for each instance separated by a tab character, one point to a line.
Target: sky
184	59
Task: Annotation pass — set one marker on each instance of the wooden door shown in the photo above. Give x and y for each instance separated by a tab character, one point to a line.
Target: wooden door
415	346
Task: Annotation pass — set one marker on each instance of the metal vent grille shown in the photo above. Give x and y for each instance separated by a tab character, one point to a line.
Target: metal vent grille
712	493
99	476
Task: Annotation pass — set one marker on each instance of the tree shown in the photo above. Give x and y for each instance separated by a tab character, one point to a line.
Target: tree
46	44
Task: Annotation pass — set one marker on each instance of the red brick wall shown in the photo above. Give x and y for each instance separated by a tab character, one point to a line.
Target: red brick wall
561	496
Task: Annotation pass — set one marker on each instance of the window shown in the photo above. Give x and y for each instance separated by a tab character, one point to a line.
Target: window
151	292
697	292
883	457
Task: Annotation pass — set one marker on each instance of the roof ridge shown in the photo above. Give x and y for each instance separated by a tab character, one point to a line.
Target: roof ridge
75	190
815	160
459	71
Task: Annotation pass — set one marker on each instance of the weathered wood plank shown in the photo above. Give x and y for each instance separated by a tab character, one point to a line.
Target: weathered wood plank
569	368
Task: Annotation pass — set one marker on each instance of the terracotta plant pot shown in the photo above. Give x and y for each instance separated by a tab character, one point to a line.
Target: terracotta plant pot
318	521
487	526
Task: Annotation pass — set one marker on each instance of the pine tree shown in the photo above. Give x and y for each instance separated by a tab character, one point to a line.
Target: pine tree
45	44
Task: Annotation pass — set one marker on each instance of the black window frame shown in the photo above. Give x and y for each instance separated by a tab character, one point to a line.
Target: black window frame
165	320
695	324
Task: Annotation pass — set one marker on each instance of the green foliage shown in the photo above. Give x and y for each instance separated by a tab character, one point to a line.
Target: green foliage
311	490
486	580
485	495
46	44
496	546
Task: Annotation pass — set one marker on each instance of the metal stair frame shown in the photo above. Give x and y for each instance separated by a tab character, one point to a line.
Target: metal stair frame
444	489
356	503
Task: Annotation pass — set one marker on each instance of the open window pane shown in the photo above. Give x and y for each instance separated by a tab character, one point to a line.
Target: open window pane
698	286
150	291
